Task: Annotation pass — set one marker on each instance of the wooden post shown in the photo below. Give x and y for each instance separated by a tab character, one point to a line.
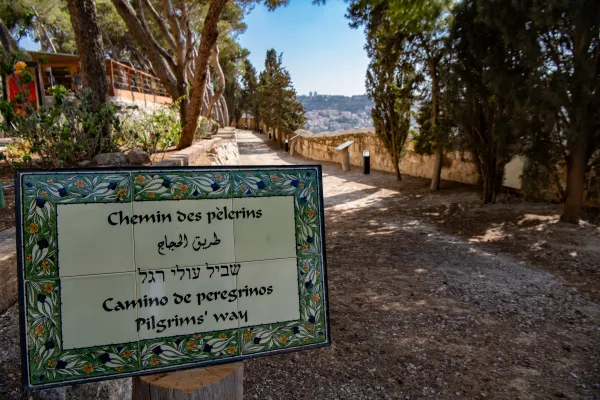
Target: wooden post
111	89
345	159
219	382
142	89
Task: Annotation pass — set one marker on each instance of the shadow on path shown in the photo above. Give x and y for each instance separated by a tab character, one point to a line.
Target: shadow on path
344	187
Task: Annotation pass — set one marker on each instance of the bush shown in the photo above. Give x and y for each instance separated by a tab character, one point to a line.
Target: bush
206	127
68	131
156	131
61	134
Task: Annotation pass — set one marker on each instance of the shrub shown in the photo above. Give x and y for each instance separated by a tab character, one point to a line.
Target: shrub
156	131
206	127
61	134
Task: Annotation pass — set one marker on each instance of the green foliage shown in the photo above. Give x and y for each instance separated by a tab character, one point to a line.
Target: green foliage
424	138
152	132
277	102
62	134
206	128
490	80
249	93
233	58
422	28
68	131
45	21
391	77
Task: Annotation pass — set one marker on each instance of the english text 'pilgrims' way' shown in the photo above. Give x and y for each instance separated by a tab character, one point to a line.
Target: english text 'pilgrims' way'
161	325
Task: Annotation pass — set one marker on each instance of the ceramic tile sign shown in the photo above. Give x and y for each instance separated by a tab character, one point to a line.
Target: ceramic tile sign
136	271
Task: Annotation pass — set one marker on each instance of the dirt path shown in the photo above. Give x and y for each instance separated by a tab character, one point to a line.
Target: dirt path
421	310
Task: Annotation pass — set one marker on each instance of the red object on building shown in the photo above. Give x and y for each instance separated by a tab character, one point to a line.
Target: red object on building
28	89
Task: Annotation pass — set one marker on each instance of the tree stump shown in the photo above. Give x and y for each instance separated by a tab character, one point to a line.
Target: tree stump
219	382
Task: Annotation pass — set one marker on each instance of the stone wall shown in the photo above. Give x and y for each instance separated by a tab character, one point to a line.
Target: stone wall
219	149
457	166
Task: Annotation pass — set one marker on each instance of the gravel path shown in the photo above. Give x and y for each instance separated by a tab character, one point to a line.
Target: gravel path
419	313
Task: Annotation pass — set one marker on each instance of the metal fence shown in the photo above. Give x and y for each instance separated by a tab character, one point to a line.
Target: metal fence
124	77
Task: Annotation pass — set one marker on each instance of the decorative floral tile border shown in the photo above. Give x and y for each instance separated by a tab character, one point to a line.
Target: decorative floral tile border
40	192
178	185
189	349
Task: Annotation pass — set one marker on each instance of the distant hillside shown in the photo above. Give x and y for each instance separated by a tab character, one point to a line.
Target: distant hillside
325	113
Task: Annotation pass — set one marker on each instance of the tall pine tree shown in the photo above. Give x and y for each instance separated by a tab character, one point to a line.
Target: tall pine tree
277	102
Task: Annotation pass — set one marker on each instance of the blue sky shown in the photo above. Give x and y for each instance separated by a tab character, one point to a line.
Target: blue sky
319	49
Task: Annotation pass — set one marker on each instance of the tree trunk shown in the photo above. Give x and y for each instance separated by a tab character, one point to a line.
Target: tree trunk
576	166
491	175
219	111
182	91
6	39
208	39
44	31
221	88
281	135
437	167
256	116
225	110
488	188
183	108
396	165
205	101
394	152
89	47
439	154
162	67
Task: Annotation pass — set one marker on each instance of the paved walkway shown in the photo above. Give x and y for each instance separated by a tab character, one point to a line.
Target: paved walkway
345	190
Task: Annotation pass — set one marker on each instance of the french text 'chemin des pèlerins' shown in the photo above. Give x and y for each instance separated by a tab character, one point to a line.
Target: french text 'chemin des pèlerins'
219	214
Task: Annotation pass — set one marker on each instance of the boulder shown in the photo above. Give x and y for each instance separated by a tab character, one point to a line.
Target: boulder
138	157
111	159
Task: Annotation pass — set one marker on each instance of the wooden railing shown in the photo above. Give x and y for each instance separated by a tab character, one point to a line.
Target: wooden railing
124	77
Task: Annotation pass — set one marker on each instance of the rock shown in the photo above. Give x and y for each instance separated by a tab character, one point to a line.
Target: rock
138	157
111	159
86	163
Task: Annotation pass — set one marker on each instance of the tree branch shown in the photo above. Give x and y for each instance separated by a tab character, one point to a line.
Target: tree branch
220	75
175	28
161	49
162	67
161	23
